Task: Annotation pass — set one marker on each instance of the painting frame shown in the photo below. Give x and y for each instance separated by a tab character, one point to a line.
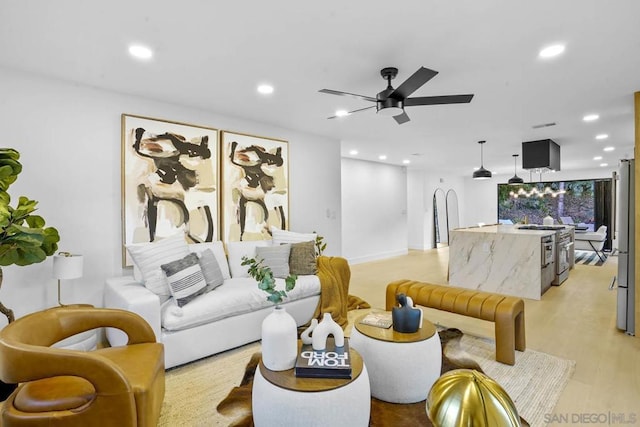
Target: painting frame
255	183
170	181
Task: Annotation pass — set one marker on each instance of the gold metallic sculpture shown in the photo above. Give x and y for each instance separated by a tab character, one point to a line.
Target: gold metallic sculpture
468	398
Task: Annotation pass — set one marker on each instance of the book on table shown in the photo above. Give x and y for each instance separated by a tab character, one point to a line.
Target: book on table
332	362
379	319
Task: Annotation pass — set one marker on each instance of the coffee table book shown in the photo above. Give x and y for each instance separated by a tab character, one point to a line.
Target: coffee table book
332	362
379	319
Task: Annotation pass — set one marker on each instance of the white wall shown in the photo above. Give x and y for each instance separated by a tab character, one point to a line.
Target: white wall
374	210
69	139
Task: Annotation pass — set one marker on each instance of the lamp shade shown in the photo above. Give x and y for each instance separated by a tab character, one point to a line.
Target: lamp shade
464	397
67	266
482	173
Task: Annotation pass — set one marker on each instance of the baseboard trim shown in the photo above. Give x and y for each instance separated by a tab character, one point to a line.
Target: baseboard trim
376	257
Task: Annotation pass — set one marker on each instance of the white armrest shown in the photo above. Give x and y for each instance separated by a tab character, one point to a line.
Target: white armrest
126	293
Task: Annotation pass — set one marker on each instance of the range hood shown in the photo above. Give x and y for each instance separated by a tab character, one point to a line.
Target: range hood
541	156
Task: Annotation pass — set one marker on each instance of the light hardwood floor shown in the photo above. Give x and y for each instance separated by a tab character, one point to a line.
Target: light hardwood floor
574	321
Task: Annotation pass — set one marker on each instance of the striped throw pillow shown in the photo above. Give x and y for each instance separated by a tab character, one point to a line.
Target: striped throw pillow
185	278
148	257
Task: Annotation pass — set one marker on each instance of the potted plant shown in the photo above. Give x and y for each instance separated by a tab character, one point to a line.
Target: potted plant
266	281
24	239
279	329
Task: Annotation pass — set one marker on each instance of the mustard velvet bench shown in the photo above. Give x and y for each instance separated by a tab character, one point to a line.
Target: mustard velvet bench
506	312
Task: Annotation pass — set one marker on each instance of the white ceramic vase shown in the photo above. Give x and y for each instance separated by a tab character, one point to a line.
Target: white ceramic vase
327	327
279	340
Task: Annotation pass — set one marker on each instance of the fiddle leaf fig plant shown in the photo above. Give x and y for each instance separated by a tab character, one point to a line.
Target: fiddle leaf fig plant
24	239
266	281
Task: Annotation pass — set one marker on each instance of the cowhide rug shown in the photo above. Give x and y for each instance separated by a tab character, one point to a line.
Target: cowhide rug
383	414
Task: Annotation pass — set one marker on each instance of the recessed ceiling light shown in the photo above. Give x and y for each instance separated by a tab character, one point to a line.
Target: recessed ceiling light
551	51
382	157
265	89
406	161
597	158
353	152
608	148
140	52
590	117
602	136
604	164
342	113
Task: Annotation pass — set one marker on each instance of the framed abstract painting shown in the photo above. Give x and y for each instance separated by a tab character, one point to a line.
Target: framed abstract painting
170	180
255	186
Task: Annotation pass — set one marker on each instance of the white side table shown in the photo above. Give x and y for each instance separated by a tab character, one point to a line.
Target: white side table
403	367
282	399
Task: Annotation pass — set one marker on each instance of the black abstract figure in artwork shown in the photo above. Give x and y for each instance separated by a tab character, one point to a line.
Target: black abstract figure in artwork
166	150
258	165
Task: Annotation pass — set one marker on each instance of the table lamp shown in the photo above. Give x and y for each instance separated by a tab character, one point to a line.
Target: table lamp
66	266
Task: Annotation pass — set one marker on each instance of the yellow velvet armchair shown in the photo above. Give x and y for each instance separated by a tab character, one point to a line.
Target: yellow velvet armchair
116	386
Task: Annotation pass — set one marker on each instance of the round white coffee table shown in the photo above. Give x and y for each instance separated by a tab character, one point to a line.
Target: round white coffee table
282	399
402	367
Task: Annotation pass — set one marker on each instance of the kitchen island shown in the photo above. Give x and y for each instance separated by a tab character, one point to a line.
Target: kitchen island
503	259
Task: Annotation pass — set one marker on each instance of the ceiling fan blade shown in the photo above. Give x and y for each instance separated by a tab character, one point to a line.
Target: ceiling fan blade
351	112
435	100
413	83
353	95
402	118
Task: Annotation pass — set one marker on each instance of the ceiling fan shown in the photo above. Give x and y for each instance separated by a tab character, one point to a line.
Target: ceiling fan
391	102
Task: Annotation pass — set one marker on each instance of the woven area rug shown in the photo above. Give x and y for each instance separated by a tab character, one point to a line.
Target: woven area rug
194	391
590	258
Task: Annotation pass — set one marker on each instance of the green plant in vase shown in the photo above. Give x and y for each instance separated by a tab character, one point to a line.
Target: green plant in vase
266	281
24	239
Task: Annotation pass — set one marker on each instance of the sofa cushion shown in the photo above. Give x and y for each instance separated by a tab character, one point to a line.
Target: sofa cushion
217	248
148	257
302	259
210	269
234	297
185	278
276	258
285	236
237	250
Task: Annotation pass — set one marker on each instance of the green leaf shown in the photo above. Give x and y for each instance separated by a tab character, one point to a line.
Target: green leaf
35	221
290	282
275	298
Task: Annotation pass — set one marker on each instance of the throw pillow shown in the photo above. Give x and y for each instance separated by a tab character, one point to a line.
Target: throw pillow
185	278
217	248
210	269
148	257
276	258
236	250
302	260
285	236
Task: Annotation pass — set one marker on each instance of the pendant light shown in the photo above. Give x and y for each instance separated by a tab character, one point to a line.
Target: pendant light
481	173
516	180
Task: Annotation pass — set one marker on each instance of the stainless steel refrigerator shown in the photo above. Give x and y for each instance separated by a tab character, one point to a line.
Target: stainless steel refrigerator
626	248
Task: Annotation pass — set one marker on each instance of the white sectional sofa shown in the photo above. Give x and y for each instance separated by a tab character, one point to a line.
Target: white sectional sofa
226	317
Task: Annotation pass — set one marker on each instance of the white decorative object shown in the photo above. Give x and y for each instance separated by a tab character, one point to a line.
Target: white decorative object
306	334
412	305
547	220
325	328
279	340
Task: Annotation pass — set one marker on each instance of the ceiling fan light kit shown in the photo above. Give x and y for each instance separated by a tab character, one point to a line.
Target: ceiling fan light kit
481	173
391	102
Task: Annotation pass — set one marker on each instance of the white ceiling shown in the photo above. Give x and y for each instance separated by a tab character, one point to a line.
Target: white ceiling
212	55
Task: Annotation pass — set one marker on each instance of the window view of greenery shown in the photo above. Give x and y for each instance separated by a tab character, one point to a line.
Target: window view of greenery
530	203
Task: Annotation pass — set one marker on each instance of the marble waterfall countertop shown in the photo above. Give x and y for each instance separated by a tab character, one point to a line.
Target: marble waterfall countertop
497	258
